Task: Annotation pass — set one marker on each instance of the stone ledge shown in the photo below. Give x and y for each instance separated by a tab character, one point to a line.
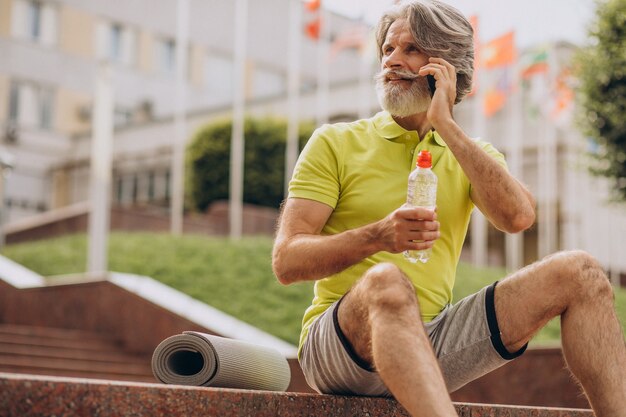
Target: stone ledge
33	396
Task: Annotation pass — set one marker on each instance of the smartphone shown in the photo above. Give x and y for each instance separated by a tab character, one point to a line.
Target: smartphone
431	84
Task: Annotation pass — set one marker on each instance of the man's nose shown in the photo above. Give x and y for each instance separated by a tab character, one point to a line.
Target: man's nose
393	60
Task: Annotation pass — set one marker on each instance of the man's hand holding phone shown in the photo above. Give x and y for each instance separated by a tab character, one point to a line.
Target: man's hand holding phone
443	91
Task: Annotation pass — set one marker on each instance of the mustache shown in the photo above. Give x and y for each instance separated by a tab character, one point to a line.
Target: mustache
383	75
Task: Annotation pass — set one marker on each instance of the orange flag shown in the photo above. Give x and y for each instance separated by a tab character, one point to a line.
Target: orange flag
312	29
313	5
499	52
496	95
494	101
563	94
354	37
538	65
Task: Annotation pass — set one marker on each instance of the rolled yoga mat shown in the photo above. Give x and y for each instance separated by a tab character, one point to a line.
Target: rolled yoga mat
200	359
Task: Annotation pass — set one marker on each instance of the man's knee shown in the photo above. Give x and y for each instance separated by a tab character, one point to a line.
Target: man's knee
580	272
386	287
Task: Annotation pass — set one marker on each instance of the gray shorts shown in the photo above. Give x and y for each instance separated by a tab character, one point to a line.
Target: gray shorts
465	337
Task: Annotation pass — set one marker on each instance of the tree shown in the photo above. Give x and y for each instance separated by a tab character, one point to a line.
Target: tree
208	162
602	94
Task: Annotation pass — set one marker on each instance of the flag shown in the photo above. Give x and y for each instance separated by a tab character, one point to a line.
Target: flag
313	5
312	28
354	37
495	96
563	94
499	52
538	65
494	101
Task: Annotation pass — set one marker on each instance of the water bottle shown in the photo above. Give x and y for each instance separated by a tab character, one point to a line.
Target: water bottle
422	192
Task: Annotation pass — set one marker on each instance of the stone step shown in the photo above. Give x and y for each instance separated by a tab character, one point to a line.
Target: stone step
35	396
68	352
49	332
76	365
33	340
112	356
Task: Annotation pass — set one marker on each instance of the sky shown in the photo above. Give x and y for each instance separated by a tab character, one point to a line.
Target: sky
534	21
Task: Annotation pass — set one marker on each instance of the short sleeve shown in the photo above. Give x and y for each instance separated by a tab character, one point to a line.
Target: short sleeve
493	152
316	175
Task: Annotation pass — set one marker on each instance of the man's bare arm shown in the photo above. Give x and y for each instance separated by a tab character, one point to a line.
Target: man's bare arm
301	253
507	204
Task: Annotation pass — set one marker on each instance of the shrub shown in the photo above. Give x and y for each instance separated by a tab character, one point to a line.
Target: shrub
208	162
602	92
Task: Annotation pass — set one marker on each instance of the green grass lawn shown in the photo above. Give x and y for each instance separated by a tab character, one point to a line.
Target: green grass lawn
235	277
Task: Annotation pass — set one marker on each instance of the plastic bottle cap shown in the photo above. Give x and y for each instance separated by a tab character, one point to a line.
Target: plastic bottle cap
424	159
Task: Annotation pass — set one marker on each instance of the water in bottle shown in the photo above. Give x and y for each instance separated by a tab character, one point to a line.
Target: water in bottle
422	192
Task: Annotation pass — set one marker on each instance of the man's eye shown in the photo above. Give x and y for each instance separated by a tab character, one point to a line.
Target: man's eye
387	50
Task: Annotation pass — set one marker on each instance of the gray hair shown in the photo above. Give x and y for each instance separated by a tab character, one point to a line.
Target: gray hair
439	30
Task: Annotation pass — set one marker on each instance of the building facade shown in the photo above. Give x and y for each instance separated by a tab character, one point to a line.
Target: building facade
51	51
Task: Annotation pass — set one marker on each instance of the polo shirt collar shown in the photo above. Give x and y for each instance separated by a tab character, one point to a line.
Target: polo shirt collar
389	129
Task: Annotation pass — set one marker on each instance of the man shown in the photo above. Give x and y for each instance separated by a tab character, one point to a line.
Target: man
380	325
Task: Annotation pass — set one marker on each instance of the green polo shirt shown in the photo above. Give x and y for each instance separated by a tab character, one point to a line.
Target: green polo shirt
361	170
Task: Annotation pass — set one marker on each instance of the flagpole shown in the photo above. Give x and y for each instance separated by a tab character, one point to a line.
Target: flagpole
237	141
478	224
323	76
514	242
551	160
365	77
497	53
180	126
101	162
293	85
547	173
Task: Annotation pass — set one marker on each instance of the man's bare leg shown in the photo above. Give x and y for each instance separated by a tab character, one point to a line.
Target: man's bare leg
572	285
381	319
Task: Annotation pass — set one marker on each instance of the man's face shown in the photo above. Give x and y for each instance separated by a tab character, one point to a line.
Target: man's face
400	90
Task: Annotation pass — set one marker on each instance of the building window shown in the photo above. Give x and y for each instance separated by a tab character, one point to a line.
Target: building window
117	43
14	103
122	116
119	190
166	56
267	82
36	21
31	105
219	76
168	184
45	108
151	193
135	194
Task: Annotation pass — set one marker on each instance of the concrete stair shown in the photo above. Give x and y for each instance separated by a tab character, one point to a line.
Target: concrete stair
72	353
117	323
32	396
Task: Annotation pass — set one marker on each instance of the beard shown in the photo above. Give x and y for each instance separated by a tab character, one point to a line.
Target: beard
401	100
